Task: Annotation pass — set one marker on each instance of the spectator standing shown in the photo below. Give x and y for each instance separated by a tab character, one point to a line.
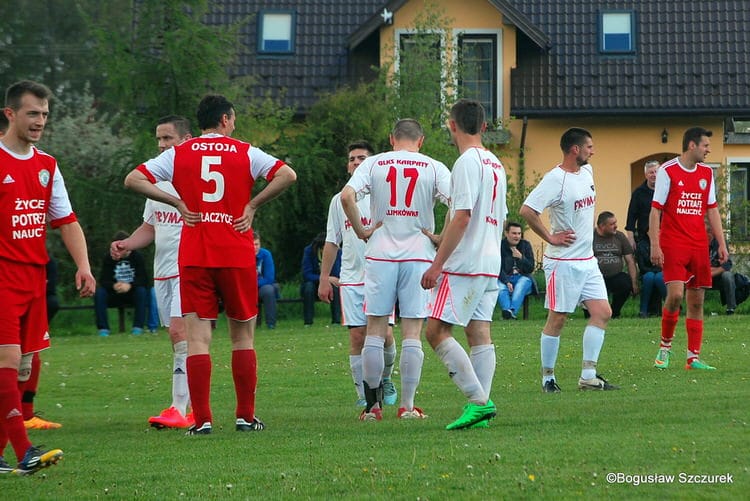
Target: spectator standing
214	176
122	281
684	197
639	207
312	256
516	266
268	289
570	267
612	251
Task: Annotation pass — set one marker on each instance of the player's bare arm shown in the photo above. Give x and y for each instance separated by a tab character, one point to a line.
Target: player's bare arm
451	236
714	219
140	238
75	242
563	238
138	182
325	289
654	225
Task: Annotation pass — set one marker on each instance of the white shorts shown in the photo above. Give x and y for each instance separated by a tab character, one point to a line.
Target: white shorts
572	282
388	281
168	299
353	305
459	299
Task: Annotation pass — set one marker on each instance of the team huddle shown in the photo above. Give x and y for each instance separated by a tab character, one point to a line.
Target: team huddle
200	215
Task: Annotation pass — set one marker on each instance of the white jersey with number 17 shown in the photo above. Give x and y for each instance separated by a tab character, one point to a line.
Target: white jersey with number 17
403	187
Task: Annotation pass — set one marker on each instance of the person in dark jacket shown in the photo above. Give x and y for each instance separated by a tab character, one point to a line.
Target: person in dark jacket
122	282
652	279
311	257
517	264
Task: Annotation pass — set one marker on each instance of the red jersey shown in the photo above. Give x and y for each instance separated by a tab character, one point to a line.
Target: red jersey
214	175
32	192
683	196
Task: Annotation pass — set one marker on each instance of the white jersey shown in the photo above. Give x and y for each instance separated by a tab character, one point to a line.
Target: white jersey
571	199
167	223
478	184
339	231
403	188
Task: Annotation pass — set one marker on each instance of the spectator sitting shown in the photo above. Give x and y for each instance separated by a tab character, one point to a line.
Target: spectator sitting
268	289
722	275
612	251
652	278
311	258
517	263
122	282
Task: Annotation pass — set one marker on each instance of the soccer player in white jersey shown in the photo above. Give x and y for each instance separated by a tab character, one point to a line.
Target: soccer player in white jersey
33	195
570	268
162	224
464	272
684	197
351	283
403	185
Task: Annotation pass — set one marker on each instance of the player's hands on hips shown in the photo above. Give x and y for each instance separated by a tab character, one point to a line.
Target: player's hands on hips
565	238
366	233
430	277
189	217
435	239
245	221
85	283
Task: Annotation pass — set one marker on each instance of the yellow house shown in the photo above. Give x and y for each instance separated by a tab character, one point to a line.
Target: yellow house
636	76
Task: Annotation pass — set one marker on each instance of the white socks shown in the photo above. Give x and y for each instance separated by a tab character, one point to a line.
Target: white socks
550	345
593	339
180	392
410	366
389	358
355	364
461	370
372	361
484	361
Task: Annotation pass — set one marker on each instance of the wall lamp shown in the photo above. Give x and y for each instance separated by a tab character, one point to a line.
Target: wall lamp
664	136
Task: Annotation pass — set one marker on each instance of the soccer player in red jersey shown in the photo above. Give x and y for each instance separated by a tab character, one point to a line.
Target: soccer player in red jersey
33	193
683	197
214	176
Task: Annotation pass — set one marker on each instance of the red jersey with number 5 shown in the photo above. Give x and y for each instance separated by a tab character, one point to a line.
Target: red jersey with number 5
683	196
214	175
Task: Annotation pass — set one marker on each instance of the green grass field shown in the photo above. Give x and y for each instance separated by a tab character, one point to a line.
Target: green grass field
564	446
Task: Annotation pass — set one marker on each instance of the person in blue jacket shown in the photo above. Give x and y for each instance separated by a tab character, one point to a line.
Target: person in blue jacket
268	289
311	258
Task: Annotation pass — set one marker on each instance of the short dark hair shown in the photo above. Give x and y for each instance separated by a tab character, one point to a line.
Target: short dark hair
210	110
604	216
468	115
15	92
575	136
407	128
513	224
360	144
181	124
694	135
4	123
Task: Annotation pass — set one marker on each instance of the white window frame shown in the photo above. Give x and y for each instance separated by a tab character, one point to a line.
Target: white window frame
602	33
731	163
292	32
498	34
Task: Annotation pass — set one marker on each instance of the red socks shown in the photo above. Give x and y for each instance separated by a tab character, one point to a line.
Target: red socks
199	384
10	412
245	375
668	325
694	337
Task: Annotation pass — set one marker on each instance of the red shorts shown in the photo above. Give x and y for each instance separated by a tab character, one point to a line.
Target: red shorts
201	288
23	314
691	266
